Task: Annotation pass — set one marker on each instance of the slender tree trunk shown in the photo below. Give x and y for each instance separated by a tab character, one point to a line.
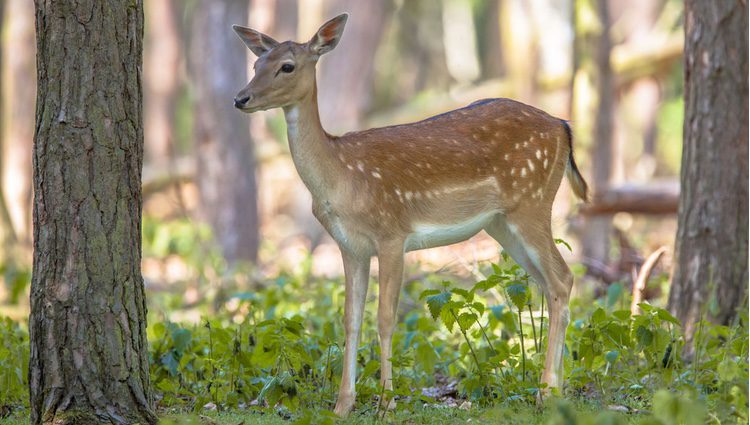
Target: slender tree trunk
89	360
18	113
161	76
711	247
224	149
346	77
599	229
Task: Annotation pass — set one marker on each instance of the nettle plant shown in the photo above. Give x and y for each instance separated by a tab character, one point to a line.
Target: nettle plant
504	343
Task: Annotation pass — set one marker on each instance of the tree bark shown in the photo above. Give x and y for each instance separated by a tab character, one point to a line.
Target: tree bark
598	230
89	360
18	114
161	74
346	75
224	150
711	246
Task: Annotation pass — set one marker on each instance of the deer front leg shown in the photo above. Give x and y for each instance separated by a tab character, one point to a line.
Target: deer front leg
391	274
357	272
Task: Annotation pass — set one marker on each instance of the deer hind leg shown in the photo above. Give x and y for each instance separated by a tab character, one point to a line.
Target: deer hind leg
357	272
531	245
391	275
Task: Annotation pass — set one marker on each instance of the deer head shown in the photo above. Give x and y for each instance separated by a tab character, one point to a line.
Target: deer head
284	72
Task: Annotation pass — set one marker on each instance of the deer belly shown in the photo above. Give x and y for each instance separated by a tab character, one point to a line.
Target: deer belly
427	235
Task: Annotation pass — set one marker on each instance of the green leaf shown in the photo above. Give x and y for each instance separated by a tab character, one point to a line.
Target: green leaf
518	293
466	320
644	336
428	292
468	296
370	368
448	318
613	294
436	303
728	370
612	356
598	316
181	338
479	307
665	316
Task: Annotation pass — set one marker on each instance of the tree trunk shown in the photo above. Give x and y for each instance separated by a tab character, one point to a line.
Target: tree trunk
161	76
599	229
18	114
89	360
346	76
711	246
224	150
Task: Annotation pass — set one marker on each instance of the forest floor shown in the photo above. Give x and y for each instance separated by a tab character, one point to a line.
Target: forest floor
519	414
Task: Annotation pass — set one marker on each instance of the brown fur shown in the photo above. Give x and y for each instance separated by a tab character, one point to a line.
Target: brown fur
494	165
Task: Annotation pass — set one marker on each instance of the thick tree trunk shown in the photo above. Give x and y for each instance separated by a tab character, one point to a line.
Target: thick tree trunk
18	113
346	77
224	150
89	360
711	247
161	76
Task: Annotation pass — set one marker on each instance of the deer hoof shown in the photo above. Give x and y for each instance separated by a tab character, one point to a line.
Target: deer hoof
344	406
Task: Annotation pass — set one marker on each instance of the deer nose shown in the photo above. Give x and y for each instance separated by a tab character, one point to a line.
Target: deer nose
239	102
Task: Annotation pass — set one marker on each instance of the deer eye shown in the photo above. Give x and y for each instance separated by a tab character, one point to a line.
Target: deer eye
287	67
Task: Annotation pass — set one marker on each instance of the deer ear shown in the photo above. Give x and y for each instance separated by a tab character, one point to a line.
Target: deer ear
257	42
328	35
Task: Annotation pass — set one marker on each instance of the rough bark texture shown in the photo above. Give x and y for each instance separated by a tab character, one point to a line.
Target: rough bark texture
224	150
89	359
346	75
18	113
711	247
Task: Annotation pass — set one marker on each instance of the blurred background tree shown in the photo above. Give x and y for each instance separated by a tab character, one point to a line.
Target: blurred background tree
221	193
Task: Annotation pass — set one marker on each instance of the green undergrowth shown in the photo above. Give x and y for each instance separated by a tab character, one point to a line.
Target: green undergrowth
463	353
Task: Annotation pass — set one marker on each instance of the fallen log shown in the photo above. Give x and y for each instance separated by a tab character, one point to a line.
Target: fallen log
655	198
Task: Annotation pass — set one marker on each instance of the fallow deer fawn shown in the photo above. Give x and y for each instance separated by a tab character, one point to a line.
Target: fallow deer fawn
494	165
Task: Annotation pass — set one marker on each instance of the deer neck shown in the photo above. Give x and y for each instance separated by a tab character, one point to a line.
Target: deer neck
311	147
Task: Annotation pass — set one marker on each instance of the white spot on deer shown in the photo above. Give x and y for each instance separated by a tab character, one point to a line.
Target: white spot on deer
531	139
525	143
531	165
494	169
517	145
408	195
360	166
349	166
523	171
538	154
525	113
398	192
515	184
376	175
546	162
341	157
512	171
506	156
428	165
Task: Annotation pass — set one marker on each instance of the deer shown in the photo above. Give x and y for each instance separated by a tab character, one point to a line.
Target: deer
494	165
